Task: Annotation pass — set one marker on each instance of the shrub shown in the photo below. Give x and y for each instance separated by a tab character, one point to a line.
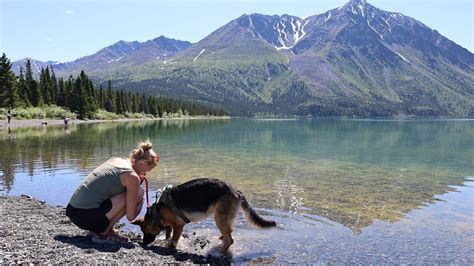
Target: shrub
53	112
135	115
101	114
57	112
150	116
28	113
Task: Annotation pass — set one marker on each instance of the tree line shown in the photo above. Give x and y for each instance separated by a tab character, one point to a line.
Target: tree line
80	96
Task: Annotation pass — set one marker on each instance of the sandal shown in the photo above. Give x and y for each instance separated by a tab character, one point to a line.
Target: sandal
109	238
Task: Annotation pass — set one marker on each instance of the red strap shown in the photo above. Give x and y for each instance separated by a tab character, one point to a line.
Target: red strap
146	190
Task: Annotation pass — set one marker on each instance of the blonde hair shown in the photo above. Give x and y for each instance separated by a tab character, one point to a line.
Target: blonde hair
143	152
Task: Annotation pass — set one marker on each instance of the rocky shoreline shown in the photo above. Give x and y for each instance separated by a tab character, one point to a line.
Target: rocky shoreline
15	123
34	232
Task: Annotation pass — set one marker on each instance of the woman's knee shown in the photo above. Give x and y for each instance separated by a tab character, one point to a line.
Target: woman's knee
119	199
118	203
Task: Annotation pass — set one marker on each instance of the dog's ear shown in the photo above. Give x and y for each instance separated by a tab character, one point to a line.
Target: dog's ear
158	195
138	221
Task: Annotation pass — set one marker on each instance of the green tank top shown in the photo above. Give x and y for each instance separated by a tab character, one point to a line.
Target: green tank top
101	184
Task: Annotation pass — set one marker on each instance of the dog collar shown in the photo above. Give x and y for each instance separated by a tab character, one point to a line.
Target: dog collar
166	200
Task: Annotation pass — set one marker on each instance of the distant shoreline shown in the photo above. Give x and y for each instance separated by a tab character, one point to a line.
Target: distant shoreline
15	123
31	123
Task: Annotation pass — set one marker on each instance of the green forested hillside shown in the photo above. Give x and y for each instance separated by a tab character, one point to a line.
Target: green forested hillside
80	96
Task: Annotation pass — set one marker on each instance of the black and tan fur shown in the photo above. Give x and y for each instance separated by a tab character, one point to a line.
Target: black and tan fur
198	199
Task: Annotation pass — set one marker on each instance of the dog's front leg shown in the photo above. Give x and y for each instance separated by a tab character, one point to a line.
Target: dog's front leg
168	232
177	231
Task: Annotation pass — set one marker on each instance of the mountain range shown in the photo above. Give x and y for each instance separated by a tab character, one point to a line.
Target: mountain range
355	60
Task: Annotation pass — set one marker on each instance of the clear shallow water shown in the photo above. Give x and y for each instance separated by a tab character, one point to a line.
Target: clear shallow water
341	190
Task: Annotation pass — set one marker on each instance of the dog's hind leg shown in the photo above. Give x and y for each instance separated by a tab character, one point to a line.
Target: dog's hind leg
225	212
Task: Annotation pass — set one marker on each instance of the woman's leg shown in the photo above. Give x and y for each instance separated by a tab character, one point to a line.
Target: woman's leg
118	208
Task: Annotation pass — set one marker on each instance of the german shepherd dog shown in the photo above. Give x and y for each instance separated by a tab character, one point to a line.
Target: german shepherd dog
193	201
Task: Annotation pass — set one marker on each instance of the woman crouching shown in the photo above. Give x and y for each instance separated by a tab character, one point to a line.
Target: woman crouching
110	192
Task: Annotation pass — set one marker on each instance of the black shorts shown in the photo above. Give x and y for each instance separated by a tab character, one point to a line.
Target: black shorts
90	219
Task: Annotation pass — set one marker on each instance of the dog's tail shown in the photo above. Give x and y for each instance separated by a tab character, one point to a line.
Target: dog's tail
253	216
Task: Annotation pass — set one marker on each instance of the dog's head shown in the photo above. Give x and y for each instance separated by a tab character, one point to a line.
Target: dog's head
150	224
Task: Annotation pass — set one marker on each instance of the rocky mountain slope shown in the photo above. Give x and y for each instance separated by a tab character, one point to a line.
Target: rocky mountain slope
119	55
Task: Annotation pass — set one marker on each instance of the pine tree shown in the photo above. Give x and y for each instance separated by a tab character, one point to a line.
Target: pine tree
77	100
69	92
29	72
123	102
110	101
101	97
34	95
135	103
92	94
54	87
130	102
153	106
61	98
144	105
46	86
23	89
159	107
82	100
118	103
8	85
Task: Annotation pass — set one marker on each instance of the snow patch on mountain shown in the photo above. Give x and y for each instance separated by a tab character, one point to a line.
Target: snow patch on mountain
114	60
301	32
402	57
36	66
328	17
289	37
386	22
361	8
368	23
195	58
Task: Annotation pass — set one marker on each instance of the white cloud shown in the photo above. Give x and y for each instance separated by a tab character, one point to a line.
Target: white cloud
70	12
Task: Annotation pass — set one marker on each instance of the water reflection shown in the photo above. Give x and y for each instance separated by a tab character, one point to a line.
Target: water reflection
351	172
76	146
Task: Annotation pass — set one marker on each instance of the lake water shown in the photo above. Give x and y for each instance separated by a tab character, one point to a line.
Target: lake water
363	191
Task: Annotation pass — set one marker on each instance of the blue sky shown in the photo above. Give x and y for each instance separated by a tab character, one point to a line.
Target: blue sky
63	30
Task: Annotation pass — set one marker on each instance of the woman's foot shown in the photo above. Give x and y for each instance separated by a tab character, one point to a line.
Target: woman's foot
109	238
